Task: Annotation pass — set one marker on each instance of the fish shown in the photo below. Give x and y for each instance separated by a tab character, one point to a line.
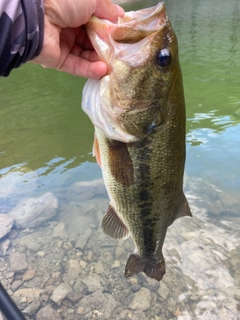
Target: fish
138	111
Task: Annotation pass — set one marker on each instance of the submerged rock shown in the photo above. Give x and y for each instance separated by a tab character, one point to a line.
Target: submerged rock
60	293
48	313
141	300
32	212
18	261
6	223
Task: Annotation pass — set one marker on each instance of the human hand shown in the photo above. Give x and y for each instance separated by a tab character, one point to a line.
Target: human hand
66	45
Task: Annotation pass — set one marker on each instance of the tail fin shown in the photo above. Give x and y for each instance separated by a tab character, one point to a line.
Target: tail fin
151	267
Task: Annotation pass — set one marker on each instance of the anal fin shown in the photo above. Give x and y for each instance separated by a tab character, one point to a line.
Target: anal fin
113	226
151	267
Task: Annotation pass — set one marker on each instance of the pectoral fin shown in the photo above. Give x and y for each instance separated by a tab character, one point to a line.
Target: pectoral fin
113	226
120	163
96	150
183	209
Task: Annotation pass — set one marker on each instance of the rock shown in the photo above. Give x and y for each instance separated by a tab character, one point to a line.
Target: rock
32	308
93	282
60	292
27	241
141	300
29	274
104	303
16	284
163	290
28	293
99	267
59	231
6	223
84	190
18	261
74	269
5	246
48	313
83	239
31	212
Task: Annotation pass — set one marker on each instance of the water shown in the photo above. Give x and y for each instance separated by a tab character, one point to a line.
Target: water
46	147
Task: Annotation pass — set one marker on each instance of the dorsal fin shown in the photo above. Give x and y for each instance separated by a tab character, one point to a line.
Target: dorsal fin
113	226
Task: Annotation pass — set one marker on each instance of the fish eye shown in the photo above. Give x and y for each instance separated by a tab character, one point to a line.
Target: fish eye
163	58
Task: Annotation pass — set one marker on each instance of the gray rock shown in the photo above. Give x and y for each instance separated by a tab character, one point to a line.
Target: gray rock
32	308
48	313
18	261
5	246
83	239
60	292
59	231
29	274
141	300
27	241
97	301
16	284
6	223
32	212
93	282
163	290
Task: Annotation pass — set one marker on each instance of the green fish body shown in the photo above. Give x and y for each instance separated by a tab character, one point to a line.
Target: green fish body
138	111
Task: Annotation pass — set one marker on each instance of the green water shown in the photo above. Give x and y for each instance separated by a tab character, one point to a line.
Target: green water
46	139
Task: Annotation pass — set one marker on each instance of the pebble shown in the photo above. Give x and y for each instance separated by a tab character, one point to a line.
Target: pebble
32	308
141	300
16	284
99	267
18	261
29	274
93	282
28	241
59	231
163	290
60	292
83	239
48	313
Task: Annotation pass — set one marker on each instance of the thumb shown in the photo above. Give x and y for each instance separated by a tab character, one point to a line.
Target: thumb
108	10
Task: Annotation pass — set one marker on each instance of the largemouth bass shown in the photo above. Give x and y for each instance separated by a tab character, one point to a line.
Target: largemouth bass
138	111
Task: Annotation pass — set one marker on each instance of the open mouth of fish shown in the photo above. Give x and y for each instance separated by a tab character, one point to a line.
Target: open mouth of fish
136	27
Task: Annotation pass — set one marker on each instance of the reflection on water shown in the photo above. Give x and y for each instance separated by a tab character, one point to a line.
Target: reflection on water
55	259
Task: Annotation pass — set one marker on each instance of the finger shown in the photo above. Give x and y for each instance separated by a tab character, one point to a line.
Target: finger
83	68
108	10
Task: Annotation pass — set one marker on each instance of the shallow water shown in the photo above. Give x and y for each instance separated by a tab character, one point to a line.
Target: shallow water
45	151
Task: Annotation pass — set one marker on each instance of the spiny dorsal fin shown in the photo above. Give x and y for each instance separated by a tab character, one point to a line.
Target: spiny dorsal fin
113	226
120	162
151	267
184	209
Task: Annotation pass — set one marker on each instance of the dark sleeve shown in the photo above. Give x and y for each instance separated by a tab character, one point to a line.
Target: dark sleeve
21	32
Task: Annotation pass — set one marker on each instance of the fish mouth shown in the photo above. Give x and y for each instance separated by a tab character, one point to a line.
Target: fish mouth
135	27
